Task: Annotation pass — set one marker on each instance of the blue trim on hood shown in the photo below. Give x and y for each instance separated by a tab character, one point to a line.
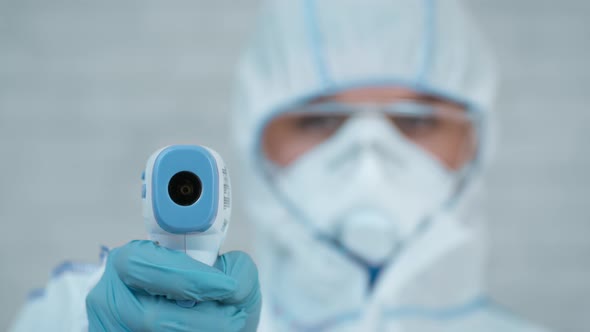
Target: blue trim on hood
428	47
315	42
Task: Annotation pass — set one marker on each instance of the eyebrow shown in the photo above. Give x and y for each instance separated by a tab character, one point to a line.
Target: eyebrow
429	98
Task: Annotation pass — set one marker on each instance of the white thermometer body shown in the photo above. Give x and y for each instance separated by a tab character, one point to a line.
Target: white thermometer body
187	200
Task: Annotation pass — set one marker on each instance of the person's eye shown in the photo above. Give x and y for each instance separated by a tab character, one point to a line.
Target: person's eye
319	123
416	125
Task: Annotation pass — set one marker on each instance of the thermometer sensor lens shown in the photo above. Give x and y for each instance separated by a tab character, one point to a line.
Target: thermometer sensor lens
185	188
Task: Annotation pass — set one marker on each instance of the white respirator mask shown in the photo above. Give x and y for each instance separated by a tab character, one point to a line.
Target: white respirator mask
367	189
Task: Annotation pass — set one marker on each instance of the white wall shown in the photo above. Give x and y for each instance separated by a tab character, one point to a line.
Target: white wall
88	89
540	186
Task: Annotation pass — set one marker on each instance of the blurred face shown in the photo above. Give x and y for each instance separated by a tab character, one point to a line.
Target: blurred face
441	128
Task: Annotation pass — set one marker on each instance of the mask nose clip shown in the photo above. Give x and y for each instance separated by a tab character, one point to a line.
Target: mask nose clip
376	137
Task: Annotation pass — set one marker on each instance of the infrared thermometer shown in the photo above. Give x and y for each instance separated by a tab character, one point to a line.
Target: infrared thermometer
186	195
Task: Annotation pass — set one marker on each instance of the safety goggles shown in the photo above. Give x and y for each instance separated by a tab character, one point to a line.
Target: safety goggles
447	132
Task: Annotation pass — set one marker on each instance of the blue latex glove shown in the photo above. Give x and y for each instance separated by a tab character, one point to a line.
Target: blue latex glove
142	282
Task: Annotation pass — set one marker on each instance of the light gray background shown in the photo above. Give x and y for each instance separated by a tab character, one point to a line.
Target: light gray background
88	89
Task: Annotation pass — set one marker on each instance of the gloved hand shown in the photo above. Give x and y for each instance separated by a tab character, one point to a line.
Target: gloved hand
142	280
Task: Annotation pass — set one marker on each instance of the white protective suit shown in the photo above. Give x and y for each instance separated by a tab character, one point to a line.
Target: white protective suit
308	48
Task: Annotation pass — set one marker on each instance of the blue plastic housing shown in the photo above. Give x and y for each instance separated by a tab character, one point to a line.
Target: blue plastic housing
199	216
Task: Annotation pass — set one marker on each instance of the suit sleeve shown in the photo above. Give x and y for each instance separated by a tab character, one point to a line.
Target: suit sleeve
61	306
